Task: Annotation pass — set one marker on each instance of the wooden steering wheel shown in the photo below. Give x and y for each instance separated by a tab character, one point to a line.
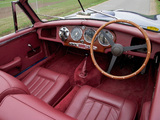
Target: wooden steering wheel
118	49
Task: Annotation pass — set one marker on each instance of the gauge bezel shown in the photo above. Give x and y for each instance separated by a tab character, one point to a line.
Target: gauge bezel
85	32
79	37
66	30
110	33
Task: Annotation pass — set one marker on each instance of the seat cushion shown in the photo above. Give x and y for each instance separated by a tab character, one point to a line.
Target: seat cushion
91	103
23	107
47	85
10	85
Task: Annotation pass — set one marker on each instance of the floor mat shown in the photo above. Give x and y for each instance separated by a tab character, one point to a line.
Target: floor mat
71	64
132	88
66	65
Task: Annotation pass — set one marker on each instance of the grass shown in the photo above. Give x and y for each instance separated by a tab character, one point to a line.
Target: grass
66	7
7	24
158	6
51	7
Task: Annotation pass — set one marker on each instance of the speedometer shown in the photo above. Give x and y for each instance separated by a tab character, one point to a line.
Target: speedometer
76	34
88	35
103	40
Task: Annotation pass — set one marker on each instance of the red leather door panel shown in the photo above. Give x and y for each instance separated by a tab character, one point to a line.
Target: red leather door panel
17	47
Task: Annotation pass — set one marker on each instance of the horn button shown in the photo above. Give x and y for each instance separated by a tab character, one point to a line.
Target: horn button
117	49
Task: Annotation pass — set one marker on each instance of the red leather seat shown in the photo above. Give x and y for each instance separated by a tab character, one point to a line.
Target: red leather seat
145	111
10	85
91	103
46	85
28	107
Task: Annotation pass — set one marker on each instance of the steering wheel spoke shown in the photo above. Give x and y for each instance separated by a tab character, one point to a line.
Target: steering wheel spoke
113	60
135	47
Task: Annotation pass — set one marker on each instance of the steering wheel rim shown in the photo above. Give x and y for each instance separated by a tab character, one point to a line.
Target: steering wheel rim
137	71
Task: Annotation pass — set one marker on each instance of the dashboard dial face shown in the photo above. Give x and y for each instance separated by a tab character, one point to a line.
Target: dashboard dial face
63	33
76	34
88	35
103	40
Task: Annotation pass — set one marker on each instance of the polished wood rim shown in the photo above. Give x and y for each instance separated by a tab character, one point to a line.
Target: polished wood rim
144	63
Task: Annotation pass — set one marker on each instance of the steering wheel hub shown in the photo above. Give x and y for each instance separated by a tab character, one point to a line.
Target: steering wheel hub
117	49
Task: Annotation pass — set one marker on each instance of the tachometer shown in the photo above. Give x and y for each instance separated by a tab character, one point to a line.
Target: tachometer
88	35
76	34
103	40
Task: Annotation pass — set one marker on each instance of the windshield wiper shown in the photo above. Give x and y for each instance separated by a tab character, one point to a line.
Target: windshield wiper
100	12
81	5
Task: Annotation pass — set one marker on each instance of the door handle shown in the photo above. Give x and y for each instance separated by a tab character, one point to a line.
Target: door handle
15	63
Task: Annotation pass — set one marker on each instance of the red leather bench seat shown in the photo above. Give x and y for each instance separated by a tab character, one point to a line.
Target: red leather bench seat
46	85
10	85
91	103
28	107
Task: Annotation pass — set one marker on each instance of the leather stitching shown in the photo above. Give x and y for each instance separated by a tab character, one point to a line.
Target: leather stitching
121	108
6	81
90	109
32	107
41	89
35	80
48	89
99	111
83	103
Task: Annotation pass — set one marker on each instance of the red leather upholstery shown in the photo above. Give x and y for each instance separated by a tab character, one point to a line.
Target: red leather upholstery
10	85
90	104
145	111
28	107
155	107
46	84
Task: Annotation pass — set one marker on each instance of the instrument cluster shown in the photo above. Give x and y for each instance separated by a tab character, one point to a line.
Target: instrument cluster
81	37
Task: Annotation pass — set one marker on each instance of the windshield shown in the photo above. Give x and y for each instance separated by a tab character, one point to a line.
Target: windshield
52	9
143	12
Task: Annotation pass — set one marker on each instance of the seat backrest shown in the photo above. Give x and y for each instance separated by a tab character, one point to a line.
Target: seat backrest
145	111
90	103
10	85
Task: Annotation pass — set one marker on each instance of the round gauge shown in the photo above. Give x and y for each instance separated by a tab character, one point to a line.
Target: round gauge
76	34
63	33
103	40
88	35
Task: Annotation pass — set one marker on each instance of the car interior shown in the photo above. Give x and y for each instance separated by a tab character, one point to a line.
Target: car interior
57	71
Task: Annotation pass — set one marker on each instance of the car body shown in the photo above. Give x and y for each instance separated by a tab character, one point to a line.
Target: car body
74	45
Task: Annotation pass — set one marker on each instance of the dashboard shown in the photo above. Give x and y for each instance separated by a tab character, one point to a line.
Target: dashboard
81	37
79	34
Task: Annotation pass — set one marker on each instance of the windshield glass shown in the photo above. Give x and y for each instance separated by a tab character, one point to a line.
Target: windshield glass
54	9
143	12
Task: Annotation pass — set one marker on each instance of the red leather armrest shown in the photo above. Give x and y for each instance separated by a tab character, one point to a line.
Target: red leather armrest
15	63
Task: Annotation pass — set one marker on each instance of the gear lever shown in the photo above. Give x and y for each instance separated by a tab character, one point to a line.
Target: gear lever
83	72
